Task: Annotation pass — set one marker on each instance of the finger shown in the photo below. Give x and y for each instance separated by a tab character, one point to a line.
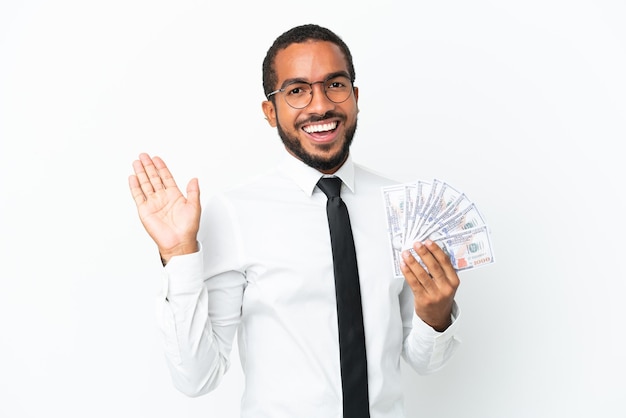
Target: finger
142	178
135	190
409	276
437	279
193	192
444	263
164	173
432	264
152	173
414	273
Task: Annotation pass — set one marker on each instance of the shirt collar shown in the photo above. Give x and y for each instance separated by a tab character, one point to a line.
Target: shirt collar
307	177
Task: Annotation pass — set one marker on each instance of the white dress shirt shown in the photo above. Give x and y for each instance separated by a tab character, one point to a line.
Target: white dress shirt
264	271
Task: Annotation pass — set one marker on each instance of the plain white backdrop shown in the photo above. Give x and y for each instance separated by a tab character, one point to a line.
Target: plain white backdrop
520	104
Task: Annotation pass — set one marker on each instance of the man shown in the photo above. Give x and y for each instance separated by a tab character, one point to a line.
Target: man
259	259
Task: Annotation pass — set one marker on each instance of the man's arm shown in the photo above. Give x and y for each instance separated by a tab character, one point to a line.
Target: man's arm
198	315
198	319
430	339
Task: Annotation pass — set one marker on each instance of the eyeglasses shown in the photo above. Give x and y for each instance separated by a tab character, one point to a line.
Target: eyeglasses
299	94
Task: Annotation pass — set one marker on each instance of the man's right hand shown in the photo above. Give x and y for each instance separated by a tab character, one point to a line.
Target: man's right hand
169	218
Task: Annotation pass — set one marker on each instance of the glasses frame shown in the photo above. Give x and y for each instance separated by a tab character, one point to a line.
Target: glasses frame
330	77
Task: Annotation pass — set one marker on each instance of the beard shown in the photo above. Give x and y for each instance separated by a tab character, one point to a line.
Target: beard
319	163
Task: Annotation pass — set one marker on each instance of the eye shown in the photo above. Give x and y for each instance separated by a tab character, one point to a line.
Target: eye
297	90
339	83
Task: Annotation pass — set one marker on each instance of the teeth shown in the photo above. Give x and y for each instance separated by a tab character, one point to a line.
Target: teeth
320	128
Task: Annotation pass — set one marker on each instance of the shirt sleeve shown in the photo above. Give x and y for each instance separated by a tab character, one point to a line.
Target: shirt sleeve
425	349
198	312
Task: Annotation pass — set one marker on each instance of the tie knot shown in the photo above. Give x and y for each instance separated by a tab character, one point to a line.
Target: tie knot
331	186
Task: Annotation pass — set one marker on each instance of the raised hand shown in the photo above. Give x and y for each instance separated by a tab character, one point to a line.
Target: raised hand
433	290
170	219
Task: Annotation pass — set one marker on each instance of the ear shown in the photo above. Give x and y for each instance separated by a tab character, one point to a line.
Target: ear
270	112
356	98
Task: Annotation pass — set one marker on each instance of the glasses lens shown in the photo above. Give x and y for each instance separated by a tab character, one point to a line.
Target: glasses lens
298	95
338	89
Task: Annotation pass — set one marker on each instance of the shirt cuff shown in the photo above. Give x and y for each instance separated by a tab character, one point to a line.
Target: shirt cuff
426	331
183	273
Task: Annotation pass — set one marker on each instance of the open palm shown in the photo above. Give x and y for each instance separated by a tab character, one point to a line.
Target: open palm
170	218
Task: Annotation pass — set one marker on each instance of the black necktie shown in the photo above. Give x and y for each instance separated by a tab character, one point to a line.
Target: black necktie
349	312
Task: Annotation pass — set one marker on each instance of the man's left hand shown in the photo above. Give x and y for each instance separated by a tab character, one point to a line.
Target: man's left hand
433	287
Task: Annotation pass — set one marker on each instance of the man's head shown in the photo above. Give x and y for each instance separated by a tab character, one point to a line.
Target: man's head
299	35
307	77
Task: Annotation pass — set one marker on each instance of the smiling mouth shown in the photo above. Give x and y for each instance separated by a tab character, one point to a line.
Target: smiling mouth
319	128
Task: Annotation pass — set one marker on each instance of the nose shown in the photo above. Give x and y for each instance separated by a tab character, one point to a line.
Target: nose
320	103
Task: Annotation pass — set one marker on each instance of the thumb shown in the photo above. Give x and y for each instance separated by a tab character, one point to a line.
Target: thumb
193	192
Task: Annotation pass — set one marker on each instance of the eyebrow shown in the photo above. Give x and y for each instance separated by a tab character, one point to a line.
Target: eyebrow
291	81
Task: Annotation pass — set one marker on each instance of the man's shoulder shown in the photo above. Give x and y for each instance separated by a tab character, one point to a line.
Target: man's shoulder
265	185
367	175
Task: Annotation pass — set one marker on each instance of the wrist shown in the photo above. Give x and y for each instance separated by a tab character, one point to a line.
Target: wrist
182	249
443	326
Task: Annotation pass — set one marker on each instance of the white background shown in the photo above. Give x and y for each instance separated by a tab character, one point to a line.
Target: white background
520	104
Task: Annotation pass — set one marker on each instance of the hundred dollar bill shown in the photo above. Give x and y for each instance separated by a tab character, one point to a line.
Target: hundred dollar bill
411	200
422	194
459	216
451	211
468	249
444	202
468	218
395	206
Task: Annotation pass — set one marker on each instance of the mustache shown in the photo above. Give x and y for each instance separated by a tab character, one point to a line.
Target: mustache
318	118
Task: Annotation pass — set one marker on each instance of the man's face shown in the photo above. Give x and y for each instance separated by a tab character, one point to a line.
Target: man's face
319	134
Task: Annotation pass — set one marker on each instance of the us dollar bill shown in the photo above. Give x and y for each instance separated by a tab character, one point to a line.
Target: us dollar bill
435	210
443	204
469	248
394	198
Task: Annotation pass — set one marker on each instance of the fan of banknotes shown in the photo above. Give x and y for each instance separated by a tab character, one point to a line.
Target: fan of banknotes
435	210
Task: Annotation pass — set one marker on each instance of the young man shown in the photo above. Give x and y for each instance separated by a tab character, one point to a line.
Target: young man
259	260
